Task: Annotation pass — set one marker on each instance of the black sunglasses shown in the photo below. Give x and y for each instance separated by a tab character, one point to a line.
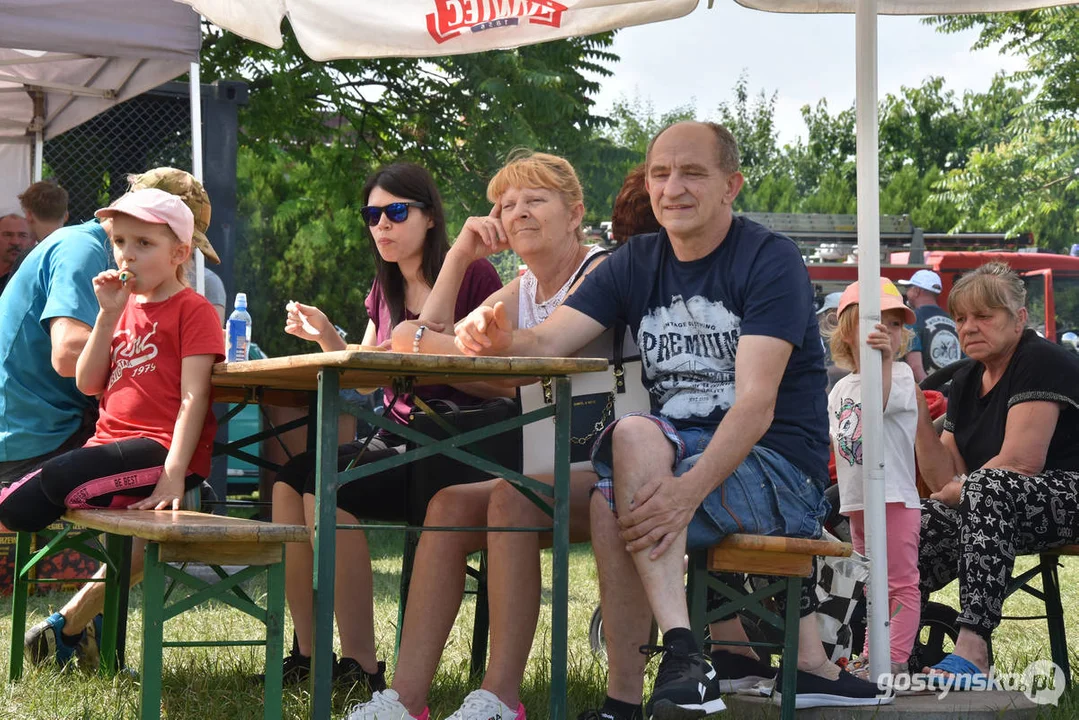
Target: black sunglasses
396	212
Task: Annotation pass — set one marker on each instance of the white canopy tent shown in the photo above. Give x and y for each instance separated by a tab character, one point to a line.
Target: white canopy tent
329	29
63	62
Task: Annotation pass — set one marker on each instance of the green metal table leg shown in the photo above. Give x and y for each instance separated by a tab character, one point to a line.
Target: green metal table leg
114	624
20	590
275	638
153	628
1054	615
560	573
791	620
329	382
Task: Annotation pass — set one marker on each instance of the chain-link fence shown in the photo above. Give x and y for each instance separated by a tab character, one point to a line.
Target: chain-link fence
92	161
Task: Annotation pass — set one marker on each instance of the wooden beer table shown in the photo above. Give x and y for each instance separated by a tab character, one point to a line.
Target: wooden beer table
315	381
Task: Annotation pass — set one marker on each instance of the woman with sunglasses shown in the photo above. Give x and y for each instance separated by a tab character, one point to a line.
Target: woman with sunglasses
403	212
538	207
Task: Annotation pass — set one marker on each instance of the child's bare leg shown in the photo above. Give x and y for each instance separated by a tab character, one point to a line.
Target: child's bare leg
90	599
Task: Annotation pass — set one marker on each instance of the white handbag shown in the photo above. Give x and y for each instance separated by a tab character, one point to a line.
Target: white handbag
599	398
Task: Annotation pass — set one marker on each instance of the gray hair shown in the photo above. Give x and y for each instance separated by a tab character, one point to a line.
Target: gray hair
991	286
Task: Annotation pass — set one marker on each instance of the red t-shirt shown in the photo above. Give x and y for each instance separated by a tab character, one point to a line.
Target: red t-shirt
142	397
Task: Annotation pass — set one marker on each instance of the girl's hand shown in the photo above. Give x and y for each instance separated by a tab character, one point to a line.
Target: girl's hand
112	294
166	496
879	339
307	322
482	236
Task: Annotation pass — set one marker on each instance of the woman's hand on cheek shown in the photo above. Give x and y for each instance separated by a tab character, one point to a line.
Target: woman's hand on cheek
483	236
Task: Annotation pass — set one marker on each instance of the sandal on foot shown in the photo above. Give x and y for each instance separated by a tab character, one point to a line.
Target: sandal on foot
962	675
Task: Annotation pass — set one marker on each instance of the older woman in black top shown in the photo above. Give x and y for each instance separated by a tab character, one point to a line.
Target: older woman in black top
1006	468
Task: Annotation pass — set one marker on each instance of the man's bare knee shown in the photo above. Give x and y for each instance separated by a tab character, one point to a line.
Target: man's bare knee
633	433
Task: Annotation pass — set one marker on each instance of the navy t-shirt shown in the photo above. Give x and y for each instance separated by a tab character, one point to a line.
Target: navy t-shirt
935	337
687	318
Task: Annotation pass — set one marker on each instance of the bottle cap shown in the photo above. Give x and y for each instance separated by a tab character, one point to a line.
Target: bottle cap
241	301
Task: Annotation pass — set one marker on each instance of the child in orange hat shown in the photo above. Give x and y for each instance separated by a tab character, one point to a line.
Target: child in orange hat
903	509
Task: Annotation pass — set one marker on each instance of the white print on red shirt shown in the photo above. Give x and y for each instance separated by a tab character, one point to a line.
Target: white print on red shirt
132	352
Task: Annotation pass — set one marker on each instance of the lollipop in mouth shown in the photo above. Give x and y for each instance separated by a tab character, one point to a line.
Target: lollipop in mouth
125	275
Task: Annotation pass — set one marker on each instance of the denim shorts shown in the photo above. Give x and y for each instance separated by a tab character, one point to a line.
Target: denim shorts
765	495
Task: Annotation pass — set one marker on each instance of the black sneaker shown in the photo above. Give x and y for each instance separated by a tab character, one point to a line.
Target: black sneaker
296	668
685	686
847	691
736	672
347	672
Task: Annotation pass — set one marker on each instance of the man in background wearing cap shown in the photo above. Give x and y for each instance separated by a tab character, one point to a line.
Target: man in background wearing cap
936	342
826	320
45	320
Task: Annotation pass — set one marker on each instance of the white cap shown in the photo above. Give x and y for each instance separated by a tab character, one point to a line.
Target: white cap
241	300
924	279
831	302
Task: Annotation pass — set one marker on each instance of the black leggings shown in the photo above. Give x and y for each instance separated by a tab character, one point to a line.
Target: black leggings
1001	514
105	476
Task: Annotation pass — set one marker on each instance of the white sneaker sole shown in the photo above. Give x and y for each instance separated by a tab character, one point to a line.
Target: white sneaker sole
814	700
667	710
733	686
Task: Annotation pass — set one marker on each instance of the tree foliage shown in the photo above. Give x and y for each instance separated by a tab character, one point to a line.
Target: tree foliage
313	131
1026	178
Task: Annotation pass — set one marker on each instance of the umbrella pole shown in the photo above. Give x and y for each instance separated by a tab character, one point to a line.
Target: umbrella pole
870	360
39	149
195	91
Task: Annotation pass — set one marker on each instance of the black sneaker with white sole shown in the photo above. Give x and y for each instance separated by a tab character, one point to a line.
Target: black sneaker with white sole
685	686
847	691
736	672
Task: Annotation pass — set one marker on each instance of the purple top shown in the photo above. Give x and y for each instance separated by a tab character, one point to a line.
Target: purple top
480	281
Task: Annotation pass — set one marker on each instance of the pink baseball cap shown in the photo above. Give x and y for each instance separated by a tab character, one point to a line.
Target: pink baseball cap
890	299
154	206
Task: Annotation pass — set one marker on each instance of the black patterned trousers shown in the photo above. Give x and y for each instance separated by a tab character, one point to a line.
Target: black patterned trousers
1001	514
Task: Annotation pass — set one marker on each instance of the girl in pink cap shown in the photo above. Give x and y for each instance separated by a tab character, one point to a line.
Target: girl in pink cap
903	509
149	357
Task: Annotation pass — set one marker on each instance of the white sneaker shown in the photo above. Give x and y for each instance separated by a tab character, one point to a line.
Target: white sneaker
384	705
484	705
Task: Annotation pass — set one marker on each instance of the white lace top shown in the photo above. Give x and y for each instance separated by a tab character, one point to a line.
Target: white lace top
531	313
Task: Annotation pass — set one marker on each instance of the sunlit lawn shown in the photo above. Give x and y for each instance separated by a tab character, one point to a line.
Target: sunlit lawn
211	683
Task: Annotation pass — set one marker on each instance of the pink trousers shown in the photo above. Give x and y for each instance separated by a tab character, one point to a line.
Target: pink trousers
904	597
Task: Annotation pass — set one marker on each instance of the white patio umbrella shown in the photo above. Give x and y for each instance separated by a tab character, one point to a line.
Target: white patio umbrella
328	29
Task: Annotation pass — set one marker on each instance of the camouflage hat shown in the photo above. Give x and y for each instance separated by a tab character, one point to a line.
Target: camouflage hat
183	185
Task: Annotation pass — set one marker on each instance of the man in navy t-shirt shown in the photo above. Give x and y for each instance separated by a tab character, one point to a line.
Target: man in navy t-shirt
722	310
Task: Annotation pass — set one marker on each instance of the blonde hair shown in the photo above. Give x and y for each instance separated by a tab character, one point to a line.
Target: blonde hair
842	336
991	286
528	169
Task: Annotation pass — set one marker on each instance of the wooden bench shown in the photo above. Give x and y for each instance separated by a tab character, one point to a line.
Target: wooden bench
171	537
788	559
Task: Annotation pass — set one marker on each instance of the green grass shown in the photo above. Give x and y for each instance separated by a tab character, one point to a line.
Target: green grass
212	683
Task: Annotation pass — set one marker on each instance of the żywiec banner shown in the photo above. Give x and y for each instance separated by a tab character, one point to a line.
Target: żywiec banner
332	29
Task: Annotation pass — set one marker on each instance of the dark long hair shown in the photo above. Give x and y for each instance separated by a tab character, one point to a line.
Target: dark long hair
412	182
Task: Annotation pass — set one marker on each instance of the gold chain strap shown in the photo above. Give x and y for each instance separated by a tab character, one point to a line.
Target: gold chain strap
603	421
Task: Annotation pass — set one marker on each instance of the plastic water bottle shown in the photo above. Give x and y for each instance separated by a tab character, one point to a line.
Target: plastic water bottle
239	331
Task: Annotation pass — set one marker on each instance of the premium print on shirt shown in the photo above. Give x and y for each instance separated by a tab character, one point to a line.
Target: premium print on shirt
688	349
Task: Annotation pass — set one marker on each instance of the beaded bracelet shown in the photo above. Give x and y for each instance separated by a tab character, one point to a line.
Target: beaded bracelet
416	338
